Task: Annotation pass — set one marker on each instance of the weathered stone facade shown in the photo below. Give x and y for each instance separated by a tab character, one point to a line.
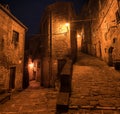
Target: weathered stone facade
12	34
104	25
59	39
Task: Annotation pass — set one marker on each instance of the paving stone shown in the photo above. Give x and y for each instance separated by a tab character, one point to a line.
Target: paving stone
94	83
94	103
30	101
95	90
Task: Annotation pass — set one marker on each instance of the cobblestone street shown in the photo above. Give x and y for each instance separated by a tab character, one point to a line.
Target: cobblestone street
31	101
95	87
95	90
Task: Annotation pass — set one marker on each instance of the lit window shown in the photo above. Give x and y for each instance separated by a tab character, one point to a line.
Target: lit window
15	38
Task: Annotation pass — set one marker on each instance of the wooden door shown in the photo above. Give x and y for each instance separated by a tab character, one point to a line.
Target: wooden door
12	78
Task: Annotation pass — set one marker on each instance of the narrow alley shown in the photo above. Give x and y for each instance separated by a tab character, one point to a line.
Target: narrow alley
44	68
95	90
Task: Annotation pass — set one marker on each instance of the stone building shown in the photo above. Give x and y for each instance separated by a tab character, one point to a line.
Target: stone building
59	40
12	36
104	26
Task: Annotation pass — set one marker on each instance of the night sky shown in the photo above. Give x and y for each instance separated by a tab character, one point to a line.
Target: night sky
29	11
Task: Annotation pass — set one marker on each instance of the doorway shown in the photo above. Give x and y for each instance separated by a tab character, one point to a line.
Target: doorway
110	58
12	78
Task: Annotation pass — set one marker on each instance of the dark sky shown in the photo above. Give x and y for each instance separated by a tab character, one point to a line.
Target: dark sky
29	11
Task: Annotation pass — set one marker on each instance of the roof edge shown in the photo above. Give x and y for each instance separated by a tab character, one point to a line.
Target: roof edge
12	16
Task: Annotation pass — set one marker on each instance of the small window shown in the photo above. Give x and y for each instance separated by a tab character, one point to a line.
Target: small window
15	38
38	64
110	50
114	40
1	44
118	17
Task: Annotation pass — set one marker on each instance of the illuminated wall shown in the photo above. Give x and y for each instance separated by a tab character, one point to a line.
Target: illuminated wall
12	34
109	28
104	28
62	29
59	42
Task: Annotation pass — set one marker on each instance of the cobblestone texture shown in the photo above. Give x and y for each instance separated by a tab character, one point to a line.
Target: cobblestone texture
95	90
31	101
95	87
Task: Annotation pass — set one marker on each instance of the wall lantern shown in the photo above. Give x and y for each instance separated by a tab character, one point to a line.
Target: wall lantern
67	24
78	36
31	65
20	60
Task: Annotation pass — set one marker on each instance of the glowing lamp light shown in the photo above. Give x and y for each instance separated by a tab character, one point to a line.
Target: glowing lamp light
78	36
31	65
67	24
20	61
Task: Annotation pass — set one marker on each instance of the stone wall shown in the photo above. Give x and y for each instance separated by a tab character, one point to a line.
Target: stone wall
108	28
104	28
60	32
59	40
11	55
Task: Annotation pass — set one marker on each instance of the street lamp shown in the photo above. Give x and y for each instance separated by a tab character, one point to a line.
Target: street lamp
67	26
31	65
78	36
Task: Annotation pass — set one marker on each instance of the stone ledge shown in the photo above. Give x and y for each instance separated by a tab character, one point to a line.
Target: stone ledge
66	76
63	98
77	107
62	102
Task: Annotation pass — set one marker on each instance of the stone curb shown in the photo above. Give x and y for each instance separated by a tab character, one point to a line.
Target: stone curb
93	107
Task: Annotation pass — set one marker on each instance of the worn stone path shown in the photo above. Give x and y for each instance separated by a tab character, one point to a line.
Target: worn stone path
31	101
95	90
95	87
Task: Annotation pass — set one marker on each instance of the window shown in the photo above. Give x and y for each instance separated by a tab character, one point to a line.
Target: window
110	50
118	16
114	40
15	38
1	44
38	64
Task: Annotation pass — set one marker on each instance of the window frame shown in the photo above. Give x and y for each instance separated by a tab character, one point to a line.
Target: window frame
15	38
1	44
